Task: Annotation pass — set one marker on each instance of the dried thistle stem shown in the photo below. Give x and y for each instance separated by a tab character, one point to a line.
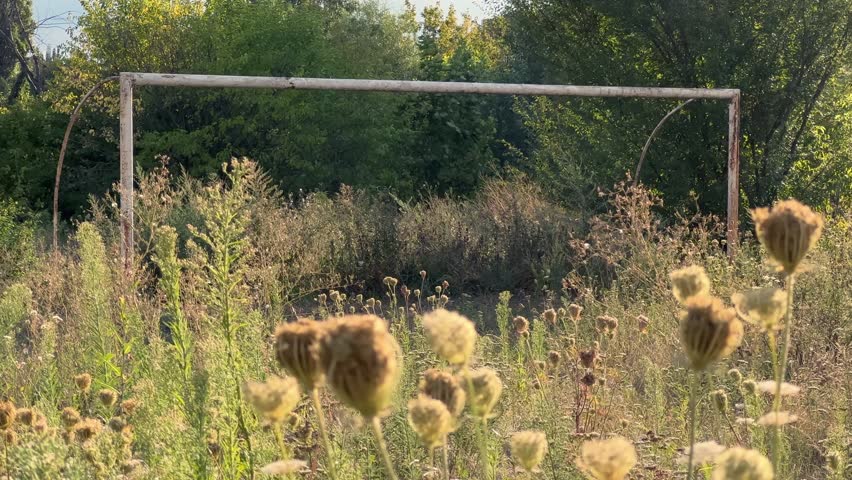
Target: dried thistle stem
446	451
782	371
692	420
332	466
376	425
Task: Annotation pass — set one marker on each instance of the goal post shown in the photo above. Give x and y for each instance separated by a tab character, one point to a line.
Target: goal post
129	80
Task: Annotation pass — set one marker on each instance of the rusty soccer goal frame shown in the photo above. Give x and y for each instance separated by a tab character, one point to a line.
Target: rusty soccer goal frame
129	81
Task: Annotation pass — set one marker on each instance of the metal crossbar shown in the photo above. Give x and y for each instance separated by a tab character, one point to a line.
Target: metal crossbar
129	80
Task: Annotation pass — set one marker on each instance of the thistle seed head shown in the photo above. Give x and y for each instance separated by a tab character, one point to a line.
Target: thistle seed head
689	282
708	330
299	348
521	325
430	419
273	399
444	387
7	415
739	463
787	231
549	316
486	388
529	449
574	311
83	382
764	307
453	337
608	459
107	396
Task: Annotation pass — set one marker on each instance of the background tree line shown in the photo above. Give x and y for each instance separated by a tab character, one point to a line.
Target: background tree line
789	57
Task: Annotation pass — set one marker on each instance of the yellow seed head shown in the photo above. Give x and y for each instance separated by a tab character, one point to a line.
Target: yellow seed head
107	397
430	420
689	282
83	381
70	417
87	429
708	331
529	449
762	306
453	337
362	363
273	399
575	311
608	459
739	463
299	348
549	316
24	416
445	387
787	231
486	389
7	415
521	324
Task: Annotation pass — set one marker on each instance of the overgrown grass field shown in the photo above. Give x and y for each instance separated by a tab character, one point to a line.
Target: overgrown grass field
602	358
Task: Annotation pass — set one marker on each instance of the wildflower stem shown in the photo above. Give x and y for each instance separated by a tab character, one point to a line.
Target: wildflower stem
279	439
383	448
782	370
446	451
481	436
692	404
332	467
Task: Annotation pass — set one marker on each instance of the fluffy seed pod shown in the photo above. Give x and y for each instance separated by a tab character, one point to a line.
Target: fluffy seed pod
529	449
608	459
83	382
430	420
452	336
554	358
7	415
444	387
299	350
69	417
787	231
87	429
24	416
362	363
273	399
107	396
764	307
708	331
574	311
129	406
735	375
643	322
117	424
741	463
334	295
549	316
588	358
486	388
720	400
422	274
750	386
689	282
588	379
521	325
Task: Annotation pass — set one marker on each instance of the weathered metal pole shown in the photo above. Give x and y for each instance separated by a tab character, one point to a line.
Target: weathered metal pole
126	160
733	236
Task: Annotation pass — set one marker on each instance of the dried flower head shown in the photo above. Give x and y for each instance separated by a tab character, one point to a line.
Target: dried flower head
689	282
452	336
608	459
574	311
129	406
549	316
445	387
529	449
284	468
588	379
108	397
739	463
589	357
787	231
362	363
750	386
273	399
720	400
521	325
708	330
24	416
87	429
833	461
7	415
422	274
69	417
735	375
83	382
642	322
778	419
117	424
539	364
10	437
390	282
703	452
554	358
299	350
762	306
771	387
486	388
430	420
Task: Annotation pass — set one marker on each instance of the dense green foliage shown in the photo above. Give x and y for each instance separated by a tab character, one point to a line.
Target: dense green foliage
788	58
